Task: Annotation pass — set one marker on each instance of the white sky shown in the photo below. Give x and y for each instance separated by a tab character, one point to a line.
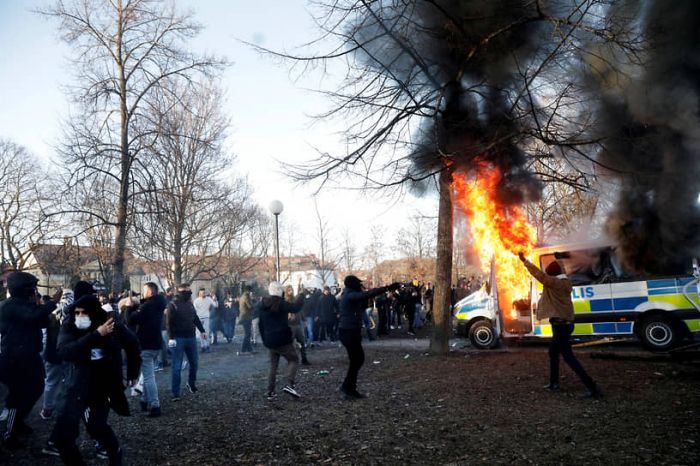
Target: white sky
268	111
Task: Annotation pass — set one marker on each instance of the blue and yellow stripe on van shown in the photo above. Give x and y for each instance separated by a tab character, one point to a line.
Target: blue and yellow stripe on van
612	308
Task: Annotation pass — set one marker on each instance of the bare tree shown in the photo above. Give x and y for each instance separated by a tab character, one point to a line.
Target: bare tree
328	257
374	251
350	261
191	212
418	238
124	52
246	250
565	211
25	195
289	236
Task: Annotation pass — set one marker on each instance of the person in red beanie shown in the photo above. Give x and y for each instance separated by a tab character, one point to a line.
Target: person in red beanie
556	305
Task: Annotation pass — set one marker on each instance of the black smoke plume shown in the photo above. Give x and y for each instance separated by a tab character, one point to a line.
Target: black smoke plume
651	125
448	54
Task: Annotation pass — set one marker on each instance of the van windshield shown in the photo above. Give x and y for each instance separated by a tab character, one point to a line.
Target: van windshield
591	266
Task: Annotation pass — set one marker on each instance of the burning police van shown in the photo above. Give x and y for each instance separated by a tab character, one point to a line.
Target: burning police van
659	309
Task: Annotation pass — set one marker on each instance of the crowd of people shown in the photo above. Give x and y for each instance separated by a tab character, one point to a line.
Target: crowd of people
92	347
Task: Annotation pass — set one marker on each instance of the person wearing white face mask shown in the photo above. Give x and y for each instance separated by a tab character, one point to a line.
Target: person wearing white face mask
92	343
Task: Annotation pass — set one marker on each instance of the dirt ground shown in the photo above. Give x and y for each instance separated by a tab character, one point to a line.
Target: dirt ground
471	407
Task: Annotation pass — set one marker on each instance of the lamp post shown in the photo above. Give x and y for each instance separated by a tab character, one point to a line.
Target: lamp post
276	208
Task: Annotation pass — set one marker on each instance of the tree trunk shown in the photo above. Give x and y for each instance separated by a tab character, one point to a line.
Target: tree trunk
118	280
440	339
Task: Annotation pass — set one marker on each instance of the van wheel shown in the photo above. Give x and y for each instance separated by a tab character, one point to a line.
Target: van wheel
657	333
482	336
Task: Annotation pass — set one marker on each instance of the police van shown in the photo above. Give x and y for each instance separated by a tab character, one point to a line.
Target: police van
660	310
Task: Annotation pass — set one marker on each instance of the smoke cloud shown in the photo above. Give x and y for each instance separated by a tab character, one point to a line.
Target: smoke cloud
438	53
651	126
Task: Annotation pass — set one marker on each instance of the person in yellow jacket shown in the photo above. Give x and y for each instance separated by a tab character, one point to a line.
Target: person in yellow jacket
246	319
555	304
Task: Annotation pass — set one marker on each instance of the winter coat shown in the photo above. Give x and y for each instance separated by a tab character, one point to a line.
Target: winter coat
54	327
246	307
147	321
75	347
328	308
555	301
182	319
21	322
274	327
353	304
231	311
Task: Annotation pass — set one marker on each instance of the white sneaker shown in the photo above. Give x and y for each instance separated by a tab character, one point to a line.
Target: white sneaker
289	389
3	415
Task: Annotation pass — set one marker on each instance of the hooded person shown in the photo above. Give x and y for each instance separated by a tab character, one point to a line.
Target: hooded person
181	322
147	321
555	304
277	336
92	344
352	307
83	288
21	365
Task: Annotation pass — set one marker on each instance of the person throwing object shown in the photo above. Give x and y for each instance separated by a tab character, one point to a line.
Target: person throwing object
556	305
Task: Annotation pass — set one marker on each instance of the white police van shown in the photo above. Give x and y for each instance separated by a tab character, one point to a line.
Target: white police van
659	310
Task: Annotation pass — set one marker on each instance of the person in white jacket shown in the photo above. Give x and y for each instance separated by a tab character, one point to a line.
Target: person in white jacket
204	306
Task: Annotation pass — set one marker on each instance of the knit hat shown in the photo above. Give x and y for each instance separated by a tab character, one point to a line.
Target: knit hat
352	282
276	289
82	288
21	284
553	269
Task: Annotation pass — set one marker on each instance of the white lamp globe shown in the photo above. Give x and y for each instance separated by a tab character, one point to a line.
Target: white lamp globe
276	207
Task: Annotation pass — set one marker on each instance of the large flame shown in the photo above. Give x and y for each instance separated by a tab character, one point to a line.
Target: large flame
497	230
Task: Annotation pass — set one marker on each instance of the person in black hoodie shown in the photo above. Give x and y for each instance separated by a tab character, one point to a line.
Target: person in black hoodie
21	366
147	320
328	310
93	345
352	307
277	336
181	321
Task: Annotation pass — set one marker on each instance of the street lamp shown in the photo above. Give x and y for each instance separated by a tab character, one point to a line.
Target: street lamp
276	208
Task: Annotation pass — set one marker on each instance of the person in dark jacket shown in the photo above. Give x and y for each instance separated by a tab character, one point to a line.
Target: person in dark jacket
21	366
382	304
352	307
328	310
92	344
277	336
295	321
181	322
147	319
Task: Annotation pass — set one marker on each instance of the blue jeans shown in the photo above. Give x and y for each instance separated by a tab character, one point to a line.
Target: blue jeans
52	383
310	327
368	324
150	389
185	346
416	319
205	323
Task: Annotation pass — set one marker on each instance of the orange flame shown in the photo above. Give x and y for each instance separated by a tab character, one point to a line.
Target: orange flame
498	230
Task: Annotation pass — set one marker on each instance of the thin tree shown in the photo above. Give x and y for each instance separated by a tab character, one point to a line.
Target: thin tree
192	213
25	197
124	52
